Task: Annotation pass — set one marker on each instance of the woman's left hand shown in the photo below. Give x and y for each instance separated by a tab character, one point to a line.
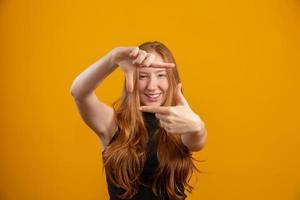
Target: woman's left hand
177	119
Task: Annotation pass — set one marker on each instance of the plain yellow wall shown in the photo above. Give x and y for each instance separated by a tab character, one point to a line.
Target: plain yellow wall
239	63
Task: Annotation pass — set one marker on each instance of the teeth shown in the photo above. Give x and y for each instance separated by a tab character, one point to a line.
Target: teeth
153	95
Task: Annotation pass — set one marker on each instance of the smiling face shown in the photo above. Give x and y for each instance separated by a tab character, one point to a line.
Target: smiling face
153	84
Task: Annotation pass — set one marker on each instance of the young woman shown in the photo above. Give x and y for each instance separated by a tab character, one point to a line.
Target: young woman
149	133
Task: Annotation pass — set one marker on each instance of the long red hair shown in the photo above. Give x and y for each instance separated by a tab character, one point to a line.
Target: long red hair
124	158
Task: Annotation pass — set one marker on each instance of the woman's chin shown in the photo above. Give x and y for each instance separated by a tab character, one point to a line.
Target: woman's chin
158	103
152	104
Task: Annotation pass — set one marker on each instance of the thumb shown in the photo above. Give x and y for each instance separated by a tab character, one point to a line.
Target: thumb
133	51
180	98
129	81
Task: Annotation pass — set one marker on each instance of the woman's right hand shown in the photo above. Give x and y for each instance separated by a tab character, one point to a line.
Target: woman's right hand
128	58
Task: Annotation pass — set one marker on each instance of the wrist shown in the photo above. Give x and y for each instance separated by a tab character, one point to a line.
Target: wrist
198	126
111	56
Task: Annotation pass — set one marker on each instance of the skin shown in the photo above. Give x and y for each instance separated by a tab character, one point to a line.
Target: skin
152	81
179	119
174	119
99	116
128	58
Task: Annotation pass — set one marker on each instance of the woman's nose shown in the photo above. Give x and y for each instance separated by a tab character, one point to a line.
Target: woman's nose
152	84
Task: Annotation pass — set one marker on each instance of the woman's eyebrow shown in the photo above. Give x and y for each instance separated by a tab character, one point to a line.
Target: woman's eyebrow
143	72
163	70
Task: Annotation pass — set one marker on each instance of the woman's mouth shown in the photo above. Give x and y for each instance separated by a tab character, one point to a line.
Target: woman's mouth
153	97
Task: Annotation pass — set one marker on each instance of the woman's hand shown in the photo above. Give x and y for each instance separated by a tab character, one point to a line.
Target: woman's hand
128	58
177	119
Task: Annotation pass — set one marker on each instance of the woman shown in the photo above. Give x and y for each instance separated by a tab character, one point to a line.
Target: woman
149	133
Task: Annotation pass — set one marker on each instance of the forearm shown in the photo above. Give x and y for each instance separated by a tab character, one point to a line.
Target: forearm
88	80
195	141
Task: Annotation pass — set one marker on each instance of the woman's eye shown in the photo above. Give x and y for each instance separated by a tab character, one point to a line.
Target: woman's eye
142	76
161	75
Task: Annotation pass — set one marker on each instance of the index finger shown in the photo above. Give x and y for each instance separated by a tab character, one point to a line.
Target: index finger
155	109
162	64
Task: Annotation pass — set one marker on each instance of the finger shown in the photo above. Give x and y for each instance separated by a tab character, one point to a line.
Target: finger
160	64
134	52
164	125
140	58
129	81
148	60
162	117
180	100
155	109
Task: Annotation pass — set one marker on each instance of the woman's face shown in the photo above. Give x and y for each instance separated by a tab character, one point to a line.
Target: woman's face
153	84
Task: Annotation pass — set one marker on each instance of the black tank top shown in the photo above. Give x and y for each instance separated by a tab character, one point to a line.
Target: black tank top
151	163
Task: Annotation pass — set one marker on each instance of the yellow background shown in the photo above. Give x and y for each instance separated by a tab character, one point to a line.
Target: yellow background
239	64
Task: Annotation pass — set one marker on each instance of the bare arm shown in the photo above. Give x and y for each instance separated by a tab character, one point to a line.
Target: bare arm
86	83
97	115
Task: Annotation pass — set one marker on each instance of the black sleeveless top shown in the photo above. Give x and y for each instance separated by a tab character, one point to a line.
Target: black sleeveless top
151	163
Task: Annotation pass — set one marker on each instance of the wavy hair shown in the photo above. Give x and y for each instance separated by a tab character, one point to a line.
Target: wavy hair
124	158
